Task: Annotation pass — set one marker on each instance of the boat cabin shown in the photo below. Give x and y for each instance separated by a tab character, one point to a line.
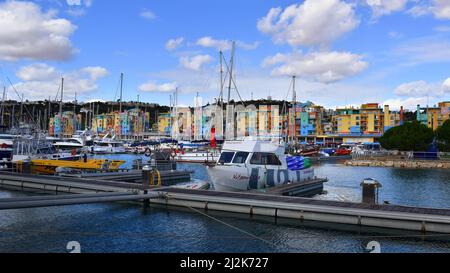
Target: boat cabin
252	152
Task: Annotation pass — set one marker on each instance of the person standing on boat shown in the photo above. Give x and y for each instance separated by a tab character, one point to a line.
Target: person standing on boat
85	158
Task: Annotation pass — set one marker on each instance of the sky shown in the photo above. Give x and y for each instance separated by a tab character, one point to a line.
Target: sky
342	52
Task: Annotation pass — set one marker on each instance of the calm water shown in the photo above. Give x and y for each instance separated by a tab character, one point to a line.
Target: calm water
128	228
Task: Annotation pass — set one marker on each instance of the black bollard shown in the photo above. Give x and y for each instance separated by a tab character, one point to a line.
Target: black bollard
370	191
146	177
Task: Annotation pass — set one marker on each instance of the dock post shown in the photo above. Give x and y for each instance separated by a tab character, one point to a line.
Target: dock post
370	189
146	176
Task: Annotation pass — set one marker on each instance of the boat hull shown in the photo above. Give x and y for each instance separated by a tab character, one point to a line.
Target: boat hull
44	166
241	178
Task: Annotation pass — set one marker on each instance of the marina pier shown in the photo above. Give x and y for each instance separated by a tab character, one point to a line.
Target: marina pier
271	203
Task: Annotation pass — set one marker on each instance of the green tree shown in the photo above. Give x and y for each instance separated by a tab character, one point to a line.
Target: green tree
411	136
443	137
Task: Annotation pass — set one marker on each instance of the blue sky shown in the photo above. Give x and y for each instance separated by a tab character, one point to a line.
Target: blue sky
343	52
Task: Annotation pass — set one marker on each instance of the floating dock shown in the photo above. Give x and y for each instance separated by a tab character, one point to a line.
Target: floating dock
303	209
271	204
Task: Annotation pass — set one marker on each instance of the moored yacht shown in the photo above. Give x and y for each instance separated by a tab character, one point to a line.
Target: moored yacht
108	145
256	164
69	144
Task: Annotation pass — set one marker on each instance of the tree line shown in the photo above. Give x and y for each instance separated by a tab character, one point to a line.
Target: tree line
415	136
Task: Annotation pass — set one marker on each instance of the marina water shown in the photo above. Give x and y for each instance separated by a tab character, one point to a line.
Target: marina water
126	228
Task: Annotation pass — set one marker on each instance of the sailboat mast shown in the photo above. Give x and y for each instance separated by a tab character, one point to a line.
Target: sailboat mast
21	109
294	106
231	72
121	90
61	99
3	106
221	77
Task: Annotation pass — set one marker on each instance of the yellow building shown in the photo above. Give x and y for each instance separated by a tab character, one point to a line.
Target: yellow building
164	124
434	117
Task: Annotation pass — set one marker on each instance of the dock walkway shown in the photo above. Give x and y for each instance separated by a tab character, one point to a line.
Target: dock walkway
94	190
386	216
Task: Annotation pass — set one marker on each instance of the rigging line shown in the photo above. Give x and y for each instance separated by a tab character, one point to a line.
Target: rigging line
231	226
234	83
26	108
289	89
57	93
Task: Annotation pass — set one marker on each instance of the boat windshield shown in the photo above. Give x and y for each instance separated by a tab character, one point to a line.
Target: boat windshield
265	159
226	157
240	157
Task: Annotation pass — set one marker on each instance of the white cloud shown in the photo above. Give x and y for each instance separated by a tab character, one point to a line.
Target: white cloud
160	88
247	46
78	7
173	44
385	7
408	103
28	33
148	14
440	9
195	62
419	89
325	67
95	72
312	23
415	89
39	81
423	50
419	10
73	2
217	44
224	45
262	84
446	86
37	72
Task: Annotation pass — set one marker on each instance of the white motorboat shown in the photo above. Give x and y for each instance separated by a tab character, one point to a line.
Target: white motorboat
256	164
7	140
196	157
69	144
108	145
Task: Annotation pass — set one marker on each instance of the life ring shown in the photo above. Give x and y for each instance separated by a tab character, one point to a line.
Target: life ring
74	152
148	152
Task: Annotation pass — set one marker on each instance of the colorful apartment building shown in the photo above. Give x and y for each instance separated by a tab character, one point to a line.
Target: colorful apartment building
128	123
433	117
164	123
64	126
303	122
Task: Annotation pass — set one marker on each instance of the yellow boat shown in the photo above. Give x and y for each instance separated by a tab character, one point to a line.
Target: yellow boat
48	166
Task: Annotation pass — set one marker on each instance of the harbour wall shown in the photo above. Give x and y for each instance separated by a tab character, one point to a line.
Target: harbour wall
412	164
